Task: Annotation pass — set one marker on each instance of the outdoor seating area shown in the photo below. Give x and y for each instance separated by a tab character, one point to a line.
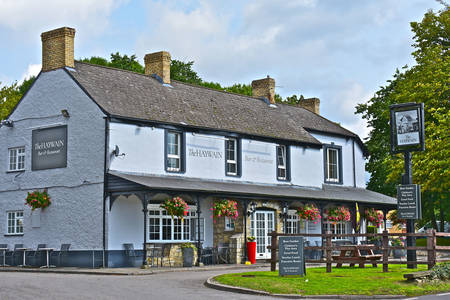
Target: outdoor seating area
22	256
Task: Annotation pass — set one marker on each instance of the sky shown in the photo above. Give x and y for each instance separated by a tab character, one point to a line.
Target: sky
340	51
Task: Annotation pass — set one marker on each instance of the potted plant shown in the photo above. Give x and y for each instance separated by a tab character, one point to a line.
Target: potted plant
188	254
251	249
176	207
224	208
38	199
398	253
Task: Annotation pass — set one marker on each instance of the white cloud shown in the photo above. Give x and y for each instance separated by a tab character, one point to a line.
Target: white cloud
32	70
28	16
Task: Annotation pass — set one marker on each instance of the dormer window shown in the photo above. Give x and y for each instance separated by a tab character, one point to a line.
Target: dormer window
283	163
232	157
174	151
333	164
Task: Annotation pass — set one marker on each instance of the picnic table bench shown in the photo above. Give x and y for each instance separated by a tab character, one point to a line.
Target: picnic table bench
355	256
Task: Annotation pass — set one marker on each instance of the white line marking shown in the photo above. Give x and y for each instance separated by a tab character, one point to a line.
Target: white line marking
446	294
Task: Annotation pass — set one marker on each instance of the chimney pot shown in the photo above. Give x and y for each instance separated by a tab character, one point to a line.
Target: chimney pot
264	88
57	48
311	104
158	63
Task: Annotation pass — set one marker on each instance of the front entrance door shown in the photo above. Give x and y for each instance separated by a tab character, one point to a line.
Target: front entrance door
262	223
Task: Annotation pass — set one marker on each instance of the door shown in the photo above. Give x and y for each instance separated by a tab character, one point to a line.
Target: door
262	223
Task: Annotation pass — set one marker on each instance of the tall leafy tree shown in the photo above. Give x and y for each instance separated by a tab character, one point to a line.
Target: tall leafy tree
428	82
10	96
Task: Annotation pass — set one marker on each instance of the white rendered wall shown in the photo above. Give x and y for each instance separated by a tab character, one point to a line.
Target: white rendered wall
347	159
126	223
144	154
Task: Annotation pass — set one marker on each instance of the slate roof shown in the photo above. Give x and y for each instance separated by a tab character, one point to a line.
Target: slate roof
133	95
277	191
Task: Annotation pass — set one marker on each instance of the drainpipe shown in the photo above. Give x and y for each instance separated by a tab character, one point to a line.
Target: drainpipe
198	230
145	211
105	187
245	229
354	163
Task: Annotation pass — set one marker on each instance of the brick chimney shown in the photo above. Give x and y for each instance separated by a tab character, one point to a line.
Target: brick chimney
311	104
264	88
57	48
158	63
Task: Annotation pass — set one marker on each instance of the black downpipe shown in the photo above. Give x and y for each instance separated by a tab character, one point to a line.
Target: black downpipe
105	187
354	163
198	230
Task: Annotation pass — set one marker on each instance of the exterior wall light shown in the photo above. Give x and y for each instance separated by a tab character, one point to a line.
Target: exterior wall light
252	209
7	123
65	113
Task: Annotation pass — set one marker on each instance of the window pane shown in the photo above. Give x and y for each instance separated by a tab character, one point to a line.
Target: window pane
186	227
231	168
173	163
166	229
154	228
173	143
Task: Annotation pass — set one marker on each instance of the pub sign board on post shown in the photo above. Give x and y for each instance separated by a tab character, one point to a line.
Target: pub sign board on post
291	259
407	127
49	148
409	206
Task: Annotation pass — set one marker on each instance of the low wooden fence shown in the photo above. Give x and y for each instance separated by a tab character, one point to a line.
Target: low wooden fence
327	247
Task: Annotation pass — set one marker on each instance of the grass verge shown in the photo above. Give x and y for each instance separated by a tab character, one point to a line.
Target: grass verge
342	281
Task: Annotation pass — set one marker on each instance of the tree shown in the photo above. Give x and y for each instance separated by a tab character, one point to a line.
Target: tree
427	82
10	96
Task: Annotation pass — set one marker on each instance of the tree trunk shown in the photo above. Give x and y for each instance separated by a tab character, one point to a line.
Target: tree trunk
433	215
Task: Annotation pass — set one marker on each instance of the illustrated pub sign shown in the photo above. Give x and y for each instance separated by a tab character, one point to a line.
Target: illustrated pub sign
291	259
407	127
409	204
49	148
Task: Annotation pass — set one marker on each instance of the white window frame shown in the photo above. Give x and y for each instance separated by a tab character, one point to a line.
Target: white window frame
284	162
172	155
292	222
231	161
183	227
229	224
337	228
19	158
14	222
329	178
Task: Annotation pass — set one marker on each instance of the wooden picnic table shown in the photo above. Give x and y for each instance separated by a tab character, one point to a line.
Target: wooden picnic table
355	256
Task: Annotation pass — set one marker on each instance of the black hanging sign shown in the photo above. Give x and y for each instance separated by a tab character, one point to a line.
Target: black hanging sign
407	127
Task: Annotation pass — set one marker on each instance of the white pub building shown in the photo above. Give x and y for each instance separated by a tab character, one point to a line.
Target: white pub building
109	146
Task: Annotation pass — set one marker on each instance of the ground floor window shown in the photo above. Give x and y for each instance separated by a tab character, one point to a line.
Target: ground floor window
15	222
229	224
292	222
337	228
163	228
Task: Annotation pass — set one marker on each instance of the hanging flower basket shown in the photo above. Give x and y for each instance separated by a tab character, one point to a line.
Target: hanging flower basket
176	207
309	213
393	217
374	216
338	214
225	208
38	199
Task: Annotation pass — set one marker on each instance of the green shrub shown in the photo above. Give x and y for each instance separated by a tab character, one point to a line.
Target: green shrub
371	229
441	271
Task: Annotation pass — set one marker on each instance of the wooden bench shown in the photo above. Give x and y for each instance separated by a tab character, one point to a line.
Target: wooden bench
416	275
355	256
